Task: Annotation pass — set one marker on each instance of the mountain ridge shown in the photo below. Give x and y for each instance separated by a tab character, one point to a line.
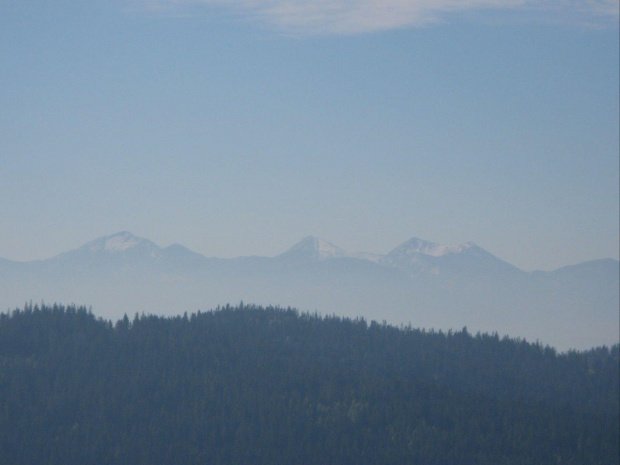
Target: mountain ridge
418	282
308	247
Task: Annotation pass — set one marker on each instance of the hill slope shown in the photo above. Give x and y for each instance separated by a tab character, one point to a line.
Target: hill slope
272	386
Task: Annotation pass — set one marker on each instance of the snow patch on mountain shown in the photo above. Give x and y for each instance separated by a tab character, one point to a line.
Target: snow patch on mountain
316	248
118	243
417	246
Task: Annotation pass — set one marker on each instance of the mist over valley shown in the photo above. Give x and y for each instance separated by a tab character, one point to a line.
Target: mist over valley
420	283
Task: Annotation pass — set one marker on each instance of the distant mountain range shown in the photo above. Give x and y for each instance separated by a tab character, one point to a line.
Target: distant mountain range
419	282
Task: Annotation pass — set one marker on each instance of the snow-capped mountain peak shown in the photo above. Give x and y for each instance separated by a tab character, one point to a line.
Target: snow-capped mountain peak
428	257
313	247
126	251
119	242
119	246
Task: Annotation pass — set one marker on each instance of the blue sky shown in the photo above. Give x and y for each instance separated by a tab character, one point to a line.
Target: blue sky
239	127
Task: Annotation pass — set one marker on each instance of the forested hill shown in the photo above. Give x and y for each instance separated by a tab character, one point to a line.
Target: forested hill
252	385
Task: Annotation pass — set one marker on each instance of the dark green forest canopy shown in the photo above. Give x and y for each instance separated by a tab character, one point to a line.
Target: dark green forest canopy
254	385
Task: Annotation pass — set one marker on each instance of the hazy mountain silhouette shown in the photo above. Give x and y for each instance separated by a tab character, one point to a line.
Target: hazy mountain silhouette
419	282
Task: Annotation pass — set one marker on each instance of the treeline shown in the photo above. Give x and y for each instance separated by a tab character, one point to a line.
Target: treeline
253	385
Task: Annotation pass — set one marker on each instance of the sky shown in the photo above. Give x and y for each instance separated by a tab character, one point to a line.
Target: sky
238	127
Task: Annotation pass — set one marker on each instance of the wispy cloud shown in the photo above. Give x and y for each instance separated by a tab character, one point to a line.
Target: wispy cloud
359	16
